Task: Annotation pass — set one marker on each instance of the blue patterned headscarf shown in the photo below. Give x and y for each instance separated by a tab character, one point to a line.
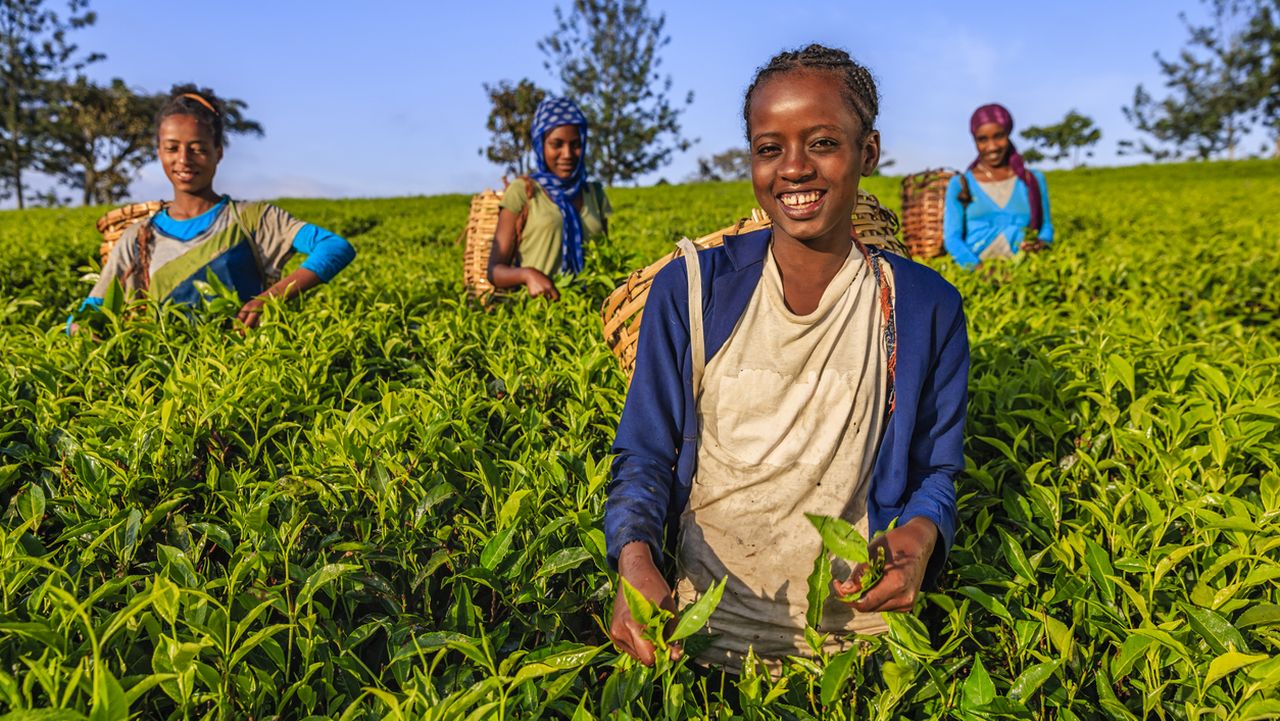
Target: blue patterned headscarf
551	114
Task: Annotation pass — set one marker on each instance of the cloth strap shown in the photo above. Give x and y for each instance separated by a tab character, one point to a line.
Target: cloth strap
697	341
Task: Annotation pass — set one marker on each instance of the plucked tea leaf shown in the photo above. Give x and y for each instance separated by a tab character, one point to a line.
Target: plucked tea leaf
695	617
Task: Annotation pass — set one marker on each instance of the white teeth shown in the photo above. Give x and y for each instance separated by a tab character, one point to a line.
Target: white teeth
798	199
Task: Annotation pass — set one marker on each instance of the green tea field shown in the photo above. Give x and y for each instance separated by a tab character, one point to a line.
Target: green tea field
386	502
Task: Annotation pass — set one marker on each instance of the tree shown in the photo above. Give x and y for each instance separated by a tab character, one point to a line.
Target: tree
33	52
732	164
101	136
606	54
1067	138
511	124
1216	89
1262	38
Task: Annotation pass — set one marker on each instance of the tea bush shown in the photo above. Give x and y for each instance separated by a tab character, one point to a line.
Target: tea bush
386	502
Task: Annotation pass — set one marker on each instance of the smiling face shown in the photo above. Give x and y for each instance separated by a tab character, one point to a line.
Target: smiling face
562	149
808	150
189	154
992	141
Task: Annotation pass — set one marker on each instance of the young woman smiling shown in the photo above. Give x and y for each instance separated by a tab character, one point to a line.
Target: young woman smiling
831	379
546	218
202	233
998	207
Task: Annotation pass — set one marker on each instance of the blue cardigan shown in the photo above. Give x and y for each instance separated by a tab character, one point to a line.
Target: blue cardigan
967	230
656	446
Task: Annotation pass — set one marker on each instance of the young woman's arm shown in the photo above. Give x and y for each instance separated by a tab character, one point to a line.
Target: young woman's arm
646	448
116	268
289	287
327	252
918	546
503	274
278	236
953	230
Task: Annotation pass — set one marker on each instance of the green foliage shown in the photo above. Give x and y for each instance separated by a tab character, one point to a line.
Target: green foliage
1061	140
511	124
100	137
606	54
1221	84
731	164
386	502
34	52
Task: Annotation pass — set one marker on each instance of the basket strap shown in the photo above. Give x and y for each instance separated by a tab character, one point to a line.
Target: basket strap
875	261
697	342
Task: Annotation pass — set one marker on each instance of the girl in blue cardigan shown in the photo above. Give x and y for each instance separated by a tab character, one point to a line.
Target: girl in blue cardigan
820	376
998	207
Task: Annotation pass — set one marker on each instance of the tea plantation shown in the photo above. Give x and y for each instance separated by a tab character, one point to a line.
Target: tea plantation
386	502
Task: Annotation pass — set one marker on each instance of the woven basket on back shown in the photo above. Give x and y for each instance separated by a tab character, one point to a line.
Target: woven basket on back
113	224
482	225
622	310
924	199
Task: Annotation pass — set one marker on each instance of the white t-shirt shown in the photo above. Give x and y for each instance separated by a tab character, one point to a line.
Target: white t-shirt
792	412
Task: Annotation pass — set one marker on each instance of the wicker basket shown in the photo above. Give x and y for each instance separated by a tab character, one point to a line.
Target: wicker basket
482	225
113	224
622	310
924	200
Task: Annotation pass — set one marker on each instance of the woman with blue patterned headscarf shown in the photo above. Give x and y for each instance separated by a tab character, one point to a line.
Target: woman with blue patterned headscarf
547	217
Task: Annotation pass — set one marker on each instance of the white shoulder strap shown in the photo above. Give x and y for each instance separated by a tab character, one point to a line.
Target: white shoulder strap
697	343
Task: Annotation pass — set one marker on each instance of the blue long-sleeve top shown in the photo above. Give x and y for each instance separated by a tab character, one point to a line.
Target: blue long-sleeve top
968	230
657	442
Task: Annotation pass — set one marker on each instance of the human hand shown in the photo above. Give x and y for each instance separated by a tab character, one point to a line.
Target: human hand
907	551
1034	245
250	315
635	564
539	285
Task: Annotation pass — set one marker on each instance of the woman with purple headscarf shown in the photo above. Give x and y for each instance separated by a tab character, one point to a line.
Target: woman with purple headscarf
998	207
546	218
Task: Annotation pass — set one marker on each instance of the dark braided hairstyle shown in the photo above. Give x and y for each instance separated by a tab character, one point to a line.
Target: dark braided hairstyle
859	88
201	104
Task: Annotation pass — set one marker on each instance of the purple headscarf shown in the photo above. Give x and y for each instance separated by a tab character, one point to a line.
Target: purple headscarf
998	114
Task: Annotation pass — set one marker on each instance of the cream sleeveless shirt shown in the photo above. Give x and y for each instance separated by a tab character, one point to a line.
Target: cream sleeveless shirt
792	411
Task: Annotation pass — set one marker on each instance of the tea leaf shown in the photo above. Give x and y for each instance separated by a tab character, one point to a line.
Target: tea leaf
695	617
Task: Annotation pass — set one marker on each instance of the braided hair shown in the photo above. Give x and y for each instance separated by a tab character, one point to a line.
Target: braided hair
199	103
858	87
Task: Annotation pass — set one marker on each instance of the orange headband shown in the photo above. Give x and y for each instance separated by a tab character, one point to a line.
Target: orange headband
202	101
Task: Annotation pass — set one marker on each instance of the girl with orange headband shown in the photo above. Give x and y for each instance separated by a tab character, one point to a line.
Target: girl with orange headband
998	207
201	233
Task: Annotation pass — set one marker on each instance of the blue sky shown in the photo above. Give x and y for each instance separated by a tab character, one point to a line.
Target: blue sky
384	97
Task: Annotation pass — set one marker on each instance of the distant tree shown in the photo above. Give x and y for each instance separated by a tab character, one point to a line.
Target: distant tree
511	123
1215	83
101	136
1033	155
1262	38
234	120
732	164
606	54
1068	138
34	51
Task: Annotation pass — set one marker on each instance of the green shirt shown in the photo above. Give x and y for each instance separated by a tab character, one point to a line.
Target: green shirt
539	245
